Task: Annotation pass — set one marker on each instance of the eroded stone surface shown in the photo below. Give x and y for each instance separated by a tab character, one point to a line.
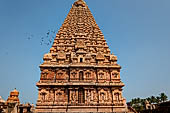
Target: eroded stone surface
79	74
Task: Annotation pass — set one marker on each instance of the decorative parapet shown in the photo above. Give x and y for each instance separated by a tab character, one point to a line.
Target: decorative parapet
111	84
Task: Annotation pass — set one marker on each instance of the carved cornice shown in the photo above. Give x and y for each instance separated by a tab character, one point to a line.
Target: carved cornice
79	65
111	84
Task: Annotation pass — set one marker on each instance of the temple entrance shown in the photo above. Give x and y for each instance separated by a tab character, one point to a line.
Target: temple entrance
81	75
81	98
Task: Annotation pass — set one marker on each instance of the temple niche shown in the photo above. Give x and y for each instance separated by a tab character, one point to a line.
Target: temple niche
73	96
61	96
80	74
51	95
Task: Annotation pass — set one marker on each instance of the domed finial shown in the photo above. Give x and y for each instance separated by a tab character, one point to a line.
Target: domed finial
80	0
80	3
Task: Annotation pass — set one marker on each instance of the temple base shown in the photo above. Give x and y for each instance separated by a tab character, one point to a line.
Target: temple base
82	109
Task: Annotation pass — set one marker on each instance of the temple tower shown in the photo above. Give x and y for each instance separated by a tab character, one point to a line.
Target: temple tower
79	74
13	98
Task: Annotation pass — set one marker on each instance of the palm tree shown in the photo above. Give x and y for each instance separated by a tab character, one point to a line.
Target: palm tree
163	97
137	104
158	99
138	100
143	102
135	101
153	99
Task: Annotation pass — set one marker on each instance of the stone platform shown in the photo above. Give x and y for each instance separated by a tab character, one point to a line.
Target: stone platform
81	109
87	112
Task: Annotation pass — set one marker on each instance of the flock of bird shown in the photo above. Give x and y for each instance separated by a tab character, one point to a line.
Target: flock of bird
47	39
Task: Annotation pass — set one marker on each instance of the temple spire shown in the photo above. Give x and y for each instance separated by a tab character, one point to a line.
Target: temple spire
79	74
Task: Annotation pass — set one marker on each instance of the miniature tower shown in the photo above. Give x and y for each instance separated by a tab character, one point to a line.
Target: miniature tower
13	98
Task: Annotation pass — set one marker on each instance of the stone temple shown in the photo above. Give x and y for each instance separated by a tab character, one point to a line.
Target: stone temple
80	74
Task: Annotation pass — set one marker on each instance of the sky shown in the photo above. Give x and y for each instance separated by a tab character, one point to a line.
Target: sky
137	32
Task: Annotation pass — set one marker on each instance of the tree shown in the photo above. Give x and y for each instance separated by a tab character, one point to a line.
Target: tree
163	97
158	99
153	99
139	104
143	102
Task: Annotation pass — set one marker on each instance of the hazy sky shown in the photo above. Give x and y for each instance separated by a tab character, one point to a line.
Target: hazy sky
137	31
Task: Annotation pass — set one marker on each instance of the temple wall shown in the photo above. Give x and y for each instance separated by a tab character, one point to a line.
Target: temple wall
74	75
71	95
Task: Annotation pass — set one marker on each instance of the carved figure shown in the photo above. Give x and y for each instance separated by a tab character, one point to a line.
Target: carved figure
88	96
73	97
51	95
102	96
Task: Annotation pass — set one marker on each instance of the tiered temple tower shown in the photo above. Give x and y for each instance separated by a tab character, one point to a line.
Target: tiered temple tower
13	98
79	74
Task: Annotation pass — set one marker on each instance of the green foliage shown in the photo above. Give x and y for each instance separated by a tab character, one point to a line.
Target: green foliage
153	99
139	104
158	99
163	97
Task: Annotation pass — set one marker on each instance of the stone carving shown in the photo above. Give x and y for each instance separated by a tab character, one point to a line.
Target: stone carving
117	97
88	75
73	96
50	75
51	95
95	96
100	56
43	96
47	57
80	44
88	96
60	96
115	75
109	96
101	75
74	74
79	71
61	55
61	75
102	96
44	74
